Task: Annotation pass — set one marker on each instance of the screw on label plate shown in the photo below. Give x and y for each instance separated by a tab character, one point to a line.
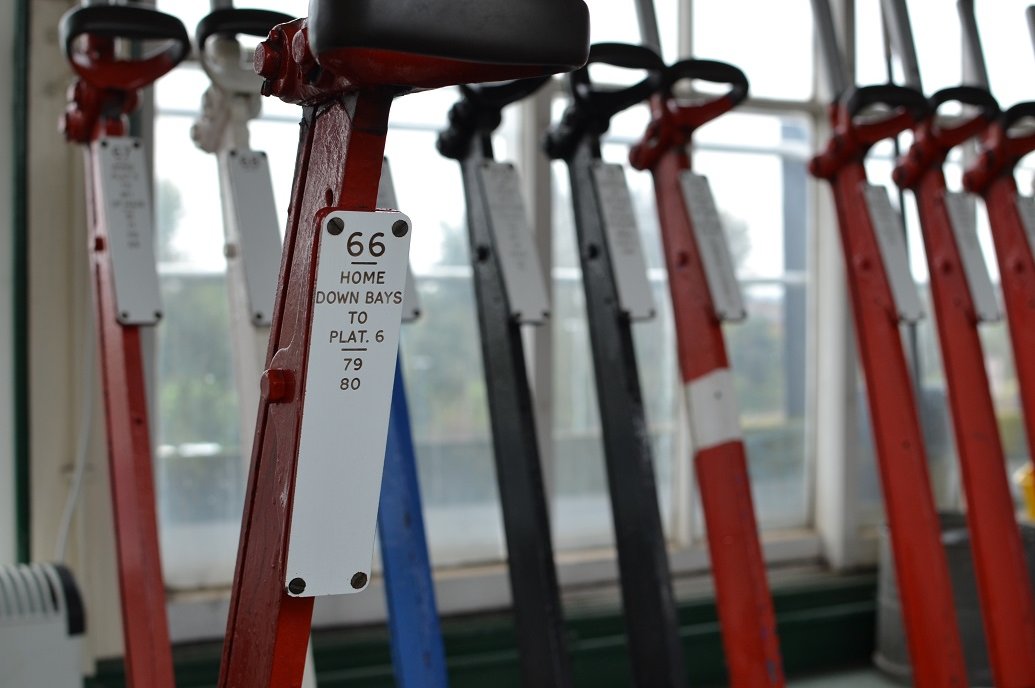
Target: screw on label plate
400	228
335	226
359	580
296	586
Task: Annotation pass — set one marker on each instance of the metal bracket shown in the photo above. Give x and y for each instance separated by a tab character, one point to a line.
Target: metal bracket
223	123
252	236
1026	210
126	213
353	348
523	279
891	241
963	221
386	200
623	241
713	247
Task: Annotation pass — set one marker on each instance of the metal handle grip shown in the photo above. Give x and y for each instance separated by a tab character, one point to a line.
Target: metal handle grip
232	21
988	110
124	21
711	71
973	54
896	15
591	108
605	104
479	111
500	95
1016	113
892	95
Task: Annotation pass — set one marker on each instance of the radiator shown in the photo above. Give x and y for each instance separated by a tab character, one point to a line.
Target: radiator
41	627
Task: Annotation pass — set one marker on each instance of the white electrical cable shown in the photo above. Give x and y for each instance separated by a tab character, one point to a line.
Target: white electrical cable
82	449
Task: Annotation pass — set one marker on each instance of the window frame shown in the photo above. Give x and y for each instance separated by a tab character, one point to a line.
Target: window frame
833	536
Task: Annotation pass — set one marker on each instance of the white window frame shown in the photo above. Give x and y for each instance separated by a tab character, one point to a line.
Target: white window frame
835	537
8	515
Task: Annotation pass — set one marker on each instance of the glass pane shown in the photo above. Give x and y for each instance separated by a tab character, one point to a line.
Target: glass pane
613	21
762	193
1005	39
1008	48
755	228
200	472
936	33
764	353
771	41
1005	394
443	360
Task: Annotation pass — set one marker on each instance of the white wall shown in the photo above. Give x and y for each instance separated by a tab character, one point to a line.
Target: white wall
7	512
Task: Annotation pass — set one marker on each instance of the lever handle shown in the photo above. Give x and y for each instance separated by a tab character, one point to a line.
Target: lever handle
604	104
127	22
232	22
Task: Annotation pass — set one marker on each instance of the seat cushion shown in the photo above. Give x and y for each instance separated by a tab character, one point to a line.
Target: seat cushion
528	36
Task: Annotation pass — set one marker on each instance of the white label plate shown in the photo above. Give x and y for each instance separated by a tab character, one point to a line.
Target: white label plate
387	200
714	413
891	241
635	297
963	218
128	219
512	240
257	236
1026	209
356	318
713	247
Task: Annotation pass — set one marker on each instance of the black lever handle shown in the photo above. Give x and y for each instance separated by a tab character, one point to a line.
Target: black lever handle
591	109
604	104
711	71
1016	113
124	21
967	95
232	22
479	111
893	95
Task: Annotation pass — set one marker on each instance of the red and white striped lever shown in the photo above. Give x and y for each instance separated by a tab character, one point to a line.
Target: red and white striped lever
704	294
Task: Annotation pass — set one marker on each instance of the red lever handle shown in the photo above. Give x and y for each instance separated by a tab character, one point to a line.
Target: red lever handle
94	59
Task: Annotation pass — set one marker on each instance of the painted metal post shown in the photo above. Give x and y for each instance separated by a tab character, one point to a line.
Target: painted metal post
704	294
1012	219
655	646
345	73
252	251
125	284
510	290
963	297
879	285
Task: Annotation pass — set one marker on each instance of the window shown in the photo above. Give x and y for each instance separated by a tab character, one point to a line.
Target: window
755	159
1007	46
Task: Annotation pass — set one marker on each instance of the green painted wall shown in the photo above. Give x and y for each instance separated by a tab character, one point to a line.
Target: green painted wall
822	626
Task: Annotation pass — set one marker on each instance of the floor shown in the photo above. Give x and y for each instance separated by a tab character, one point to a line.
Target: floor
859	678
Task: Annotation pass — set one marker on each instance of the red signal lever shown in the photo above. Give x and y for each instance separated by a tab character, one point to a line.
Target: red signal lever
104	94
345	65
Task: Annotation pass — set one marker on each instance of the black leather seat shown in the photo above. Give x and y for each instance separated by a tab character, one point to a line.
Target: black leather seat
545	35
